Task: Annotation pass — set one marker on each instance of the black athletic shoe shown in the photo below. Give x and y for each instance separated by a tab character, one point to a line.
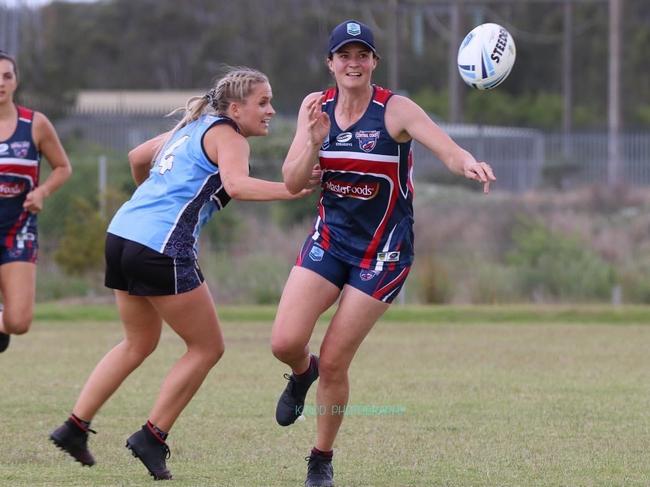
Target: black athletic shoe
151	451
4	337
73	440
320	472
4	341
292	401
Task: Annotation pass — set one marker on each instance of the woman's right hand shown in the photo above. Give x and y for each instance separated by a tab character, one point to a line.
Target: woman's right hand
319	122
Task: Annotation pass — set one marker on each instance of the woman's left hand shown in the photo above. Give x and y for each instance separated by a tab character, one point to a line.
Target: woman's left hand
301	194
34	200
480	171
315	179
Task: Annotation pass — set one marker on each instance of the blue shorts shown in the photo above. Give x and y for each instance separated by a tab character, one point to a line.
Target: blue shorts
383	285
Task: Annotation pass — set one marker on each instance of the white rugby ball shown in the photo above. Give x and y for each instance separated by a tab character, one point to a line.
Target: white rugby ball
486	56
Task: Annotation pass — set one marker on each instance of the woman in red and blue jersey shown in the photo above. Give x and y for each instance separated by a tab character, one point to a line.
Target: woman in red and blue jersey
361	246
25	135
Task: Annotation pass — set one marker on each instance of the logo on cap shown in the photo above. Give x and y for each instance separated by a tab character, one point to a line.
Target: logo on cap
353	28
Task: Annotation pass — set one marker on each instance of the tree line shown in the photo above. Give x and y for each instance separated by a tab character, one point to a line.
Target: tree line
164	44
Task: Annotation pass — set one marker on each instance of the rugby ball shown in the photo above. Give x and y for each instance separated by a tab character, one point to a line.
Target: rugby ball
486	56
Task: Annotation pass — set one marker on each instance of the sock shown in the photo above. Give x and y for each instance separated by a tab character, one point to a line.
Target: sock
162	435
80	423
324	454
307	373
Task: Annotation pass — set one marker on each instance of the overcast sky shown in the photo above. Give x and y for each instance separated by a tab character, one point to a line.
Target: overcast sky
33	3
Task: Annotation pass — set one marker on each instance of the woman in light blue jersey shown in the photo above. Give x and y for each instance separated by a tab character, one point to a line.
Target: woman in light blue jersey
151	256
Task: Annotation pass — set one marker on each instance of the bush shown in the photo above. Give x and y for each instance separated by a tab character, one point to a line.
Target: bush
81	249
256	278
433	279
555	266
494	284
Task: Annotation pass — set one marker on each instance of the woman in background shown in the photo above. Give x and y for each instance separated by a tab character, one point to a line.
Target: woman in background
25	136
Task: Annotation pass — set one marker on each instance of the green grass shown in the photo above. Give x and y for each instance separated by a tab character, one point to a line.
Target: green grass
525	314
510	401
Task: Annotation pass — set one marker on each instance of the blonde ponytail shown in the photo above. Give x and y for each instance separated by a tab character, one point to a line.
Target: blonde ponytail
234	86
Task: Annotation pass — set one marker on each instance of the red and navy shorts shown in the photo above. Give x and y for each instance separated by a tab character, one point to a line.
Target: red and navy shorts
383	285
142	271
21	248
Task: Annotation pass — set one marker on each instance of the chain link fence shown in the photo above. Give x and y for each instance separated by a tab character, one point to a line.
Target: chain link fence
261	239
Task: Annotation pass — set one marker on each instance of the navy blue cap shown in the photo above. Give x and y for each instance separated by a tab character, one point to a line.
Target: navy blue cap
351	31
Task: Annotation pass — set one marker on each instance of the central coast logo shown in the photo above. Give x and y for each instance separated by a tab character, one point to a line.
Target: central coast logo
344	139
364	191
20	148
367	139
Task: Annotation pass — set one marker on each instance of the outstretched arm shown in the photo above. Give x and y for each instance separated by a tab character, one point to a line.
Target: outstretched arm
302	159
49	145
406	119
232	152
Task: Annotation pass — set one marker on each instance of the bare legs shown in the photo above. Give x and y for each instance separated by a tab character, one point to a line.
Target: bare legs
193	316
306	296
142	326
18	286
356	315
195	321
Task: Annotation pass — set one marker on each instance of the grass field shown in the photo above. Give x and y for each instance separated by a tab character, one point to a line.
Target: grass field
482	396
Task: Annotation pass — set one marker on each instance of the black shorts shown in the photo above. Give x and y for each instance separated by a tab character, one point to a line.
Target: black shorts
142	271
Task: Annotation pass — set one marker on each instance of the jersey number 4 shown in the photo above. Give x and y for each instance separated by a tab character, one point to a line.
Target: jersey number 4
167	158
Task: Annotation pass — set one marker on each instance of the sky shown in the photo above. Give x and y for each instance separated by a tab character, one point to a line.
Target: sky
34	3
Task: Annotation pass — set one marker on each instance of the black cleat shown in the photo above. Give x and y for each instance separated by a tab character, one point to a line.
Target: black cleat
73	440
4	337
151	451
320	472
292	401
4	341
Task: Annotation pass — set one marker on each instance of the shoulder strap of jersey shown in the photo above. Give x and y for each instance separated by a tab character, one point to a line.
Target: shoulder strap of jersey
381	95
227	120
25	114
330	94
220	120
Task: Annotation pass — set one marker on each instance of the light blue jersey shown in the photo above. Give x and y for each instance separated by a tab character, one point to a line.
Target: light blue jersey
184	188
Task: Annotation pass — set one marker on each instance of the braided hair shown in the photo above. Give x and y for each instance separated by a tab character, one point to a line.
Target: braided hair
234	86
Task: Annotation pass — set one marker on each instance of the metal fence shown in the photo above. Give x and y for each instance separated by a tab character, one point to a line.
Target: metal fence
522	158
515	154
588	155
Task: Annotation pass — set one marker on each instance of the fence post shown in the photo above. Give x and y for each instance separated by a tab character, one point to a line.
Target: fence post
101	185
